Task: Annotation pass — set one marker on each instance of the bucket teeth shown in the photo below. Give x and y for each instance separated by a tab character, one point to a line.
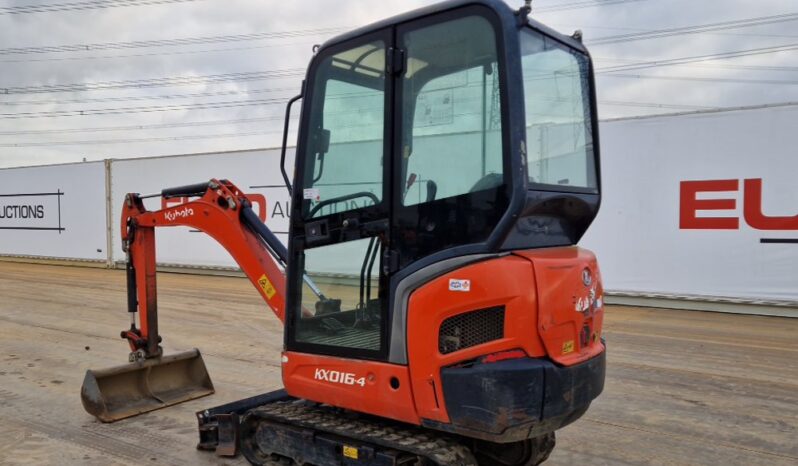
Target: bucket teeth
123	391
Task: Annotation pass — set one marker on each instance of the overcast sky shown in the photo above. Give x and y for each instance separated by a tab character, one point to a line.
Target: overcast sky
86	69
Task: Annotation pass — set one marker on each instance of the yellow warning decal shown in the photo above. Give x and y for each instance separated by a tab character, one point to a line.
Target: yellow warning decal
568	347
266	286
350	452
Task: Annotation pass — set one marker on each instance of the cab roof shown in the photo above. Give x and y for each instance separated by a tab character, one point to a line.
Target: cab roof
502	9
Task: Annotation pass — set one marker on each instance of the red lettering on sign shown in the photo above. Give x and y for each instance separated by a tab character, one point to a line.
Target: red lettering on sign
172	201
752	210
260	201
690	205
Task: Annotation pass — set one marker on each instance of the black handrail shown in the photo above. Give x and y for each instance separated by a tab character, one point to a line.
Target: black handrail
347	197
285	141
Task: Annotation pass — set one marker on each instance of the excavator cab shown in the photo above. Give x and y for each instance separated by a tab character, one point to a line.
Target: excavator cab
447	165
461	131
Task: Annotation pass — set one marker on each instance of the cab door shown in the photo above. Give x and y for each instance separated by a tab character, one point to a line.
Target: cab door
453	177
338	281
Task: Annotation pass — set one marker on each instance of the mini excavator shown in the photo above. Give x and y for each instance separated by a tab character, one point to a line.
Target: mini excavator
436	308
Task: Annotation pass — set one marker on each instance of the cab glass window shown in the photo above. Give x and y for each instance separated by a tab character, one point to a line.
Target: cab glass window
343	298
453	111
559	129
344	148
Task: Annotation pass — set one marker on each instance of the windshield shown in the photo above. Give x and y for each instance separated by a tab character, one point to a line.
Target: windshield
559	128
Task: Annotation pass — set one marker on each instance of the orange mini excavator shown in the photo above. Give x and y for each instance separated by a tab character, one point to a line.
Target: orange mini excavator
437	310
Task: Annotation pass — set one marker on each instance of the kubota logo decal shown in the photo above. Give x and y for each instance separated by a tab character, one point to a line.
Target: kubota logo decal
258	201
345	378
172	215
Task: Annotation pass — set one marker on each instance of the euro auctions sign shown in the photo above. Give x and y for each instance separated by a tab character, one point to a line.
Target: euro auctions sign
54	211
31	211
726	204
703	205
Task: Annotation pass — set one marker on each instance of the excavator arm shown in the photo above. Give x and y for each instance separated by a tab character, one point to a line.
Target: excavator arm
152	380
220	210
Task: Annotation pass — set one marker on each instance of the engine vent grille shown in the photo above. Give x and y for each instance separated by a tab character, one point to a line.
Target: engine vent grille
471	329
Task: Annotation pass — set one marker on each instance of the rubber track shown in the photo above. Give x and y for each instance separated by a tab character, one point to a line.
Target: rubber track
438	448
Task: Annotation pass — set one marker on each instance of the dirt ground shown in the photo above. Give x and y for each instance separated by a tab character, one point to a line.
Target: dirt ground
683	387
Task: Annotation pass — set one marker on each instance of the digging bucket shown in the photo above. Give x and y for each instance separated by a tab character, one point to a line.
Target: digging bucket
123	391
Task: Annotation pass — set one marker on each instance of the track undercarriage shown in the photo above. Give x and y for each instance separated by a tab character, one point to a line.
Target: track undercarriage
285	431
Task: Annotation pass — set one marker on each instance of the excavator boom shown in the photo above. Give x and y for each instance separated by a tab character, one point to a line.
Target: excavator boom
151	380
